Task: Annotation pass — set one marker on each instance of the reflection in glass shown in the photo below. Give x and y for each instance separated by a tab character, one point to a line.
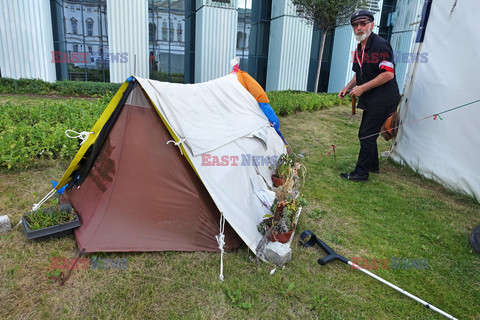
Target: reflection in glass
80	27
167	45
258	40
243	31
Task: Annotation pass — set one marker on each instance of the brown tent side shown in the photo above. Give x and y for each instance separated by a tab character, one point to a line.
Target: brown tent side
142	195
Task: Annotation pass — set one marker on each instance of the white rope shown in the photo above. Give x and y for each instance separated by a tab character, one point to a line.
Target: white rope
82	135
221	243
37	206
178	143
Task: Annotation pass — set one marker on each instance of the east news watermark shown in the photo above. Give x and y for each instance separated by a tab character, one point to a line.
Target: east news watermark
86	57
91	263
243	160
398	57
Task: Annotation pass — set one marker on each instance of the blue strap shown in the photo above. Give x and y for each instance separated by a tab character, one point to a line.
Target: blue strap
272	117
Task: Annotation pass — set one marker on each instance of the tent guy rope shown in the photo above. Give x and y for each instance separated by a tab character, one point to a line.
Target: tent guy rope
435	115
221	243
81	135
178	144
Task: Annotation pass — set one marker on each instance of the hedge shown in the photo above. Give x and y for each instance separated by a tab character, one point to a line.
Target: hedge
288	102
61	88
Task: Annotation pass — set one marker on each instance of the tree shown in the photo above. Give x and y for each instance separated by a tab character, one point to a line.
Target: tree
326	14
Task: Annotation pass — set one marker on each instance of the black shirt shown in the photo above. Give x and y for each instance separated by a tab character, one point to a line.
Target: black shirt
377	58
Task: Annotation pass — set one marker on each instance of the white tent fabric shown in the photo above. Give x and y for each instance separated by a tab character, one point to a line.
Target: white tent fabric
230	143
445	150
224	104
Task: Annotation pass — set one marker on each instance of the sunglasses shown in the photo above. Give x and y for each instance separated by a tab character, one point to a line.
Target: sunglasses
361	23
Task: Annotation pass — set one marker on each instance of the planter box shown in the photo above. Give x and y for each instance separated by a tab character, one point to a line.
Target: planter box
56	231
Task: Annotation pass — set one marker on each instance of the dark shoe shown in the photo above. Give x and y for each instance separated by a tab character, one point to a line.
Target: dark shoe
375	171
352	176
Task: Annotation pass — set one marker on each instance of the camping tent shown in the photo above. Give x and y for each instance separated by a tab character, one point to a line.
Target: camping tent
444	149
165	161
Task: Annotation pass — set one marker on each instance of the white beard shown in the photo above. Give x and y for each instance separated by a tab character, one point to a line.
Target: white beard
360	36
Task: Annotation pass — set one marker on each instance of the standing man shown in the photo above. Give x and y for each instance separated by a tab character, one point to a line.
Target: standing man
375	86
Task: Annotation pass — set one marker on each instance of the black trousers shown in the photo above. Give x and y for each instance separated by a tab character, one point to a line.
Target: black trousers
372	121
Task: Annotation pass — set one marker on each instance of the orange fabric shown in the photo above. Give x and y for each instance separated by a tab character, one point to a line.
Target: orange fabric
390	126
252	86
387	125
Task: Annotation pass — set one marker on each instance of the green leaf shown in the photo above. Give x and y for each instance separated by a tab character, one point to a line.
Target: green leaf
245	305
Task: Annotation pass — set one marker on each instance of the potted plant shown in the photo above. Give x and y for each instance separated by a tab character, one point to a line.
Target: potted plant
281	222
287	165
55	222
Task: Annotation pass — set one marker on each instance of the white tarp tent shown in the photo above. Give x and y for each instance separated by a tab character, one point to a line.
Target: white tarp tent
238	135
444	150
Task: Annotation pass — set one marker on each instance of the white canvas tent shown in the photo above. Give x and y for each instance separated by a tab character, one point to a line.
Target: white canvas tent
238	130
444	150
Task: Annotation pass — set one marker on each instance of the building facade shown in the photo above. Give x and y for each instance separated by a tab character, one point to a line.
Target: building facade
186	41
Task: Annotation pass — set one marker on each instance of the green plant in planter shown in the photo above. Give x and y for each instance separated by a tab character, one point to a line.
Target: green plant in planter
44	218
282	217
289	167
284	165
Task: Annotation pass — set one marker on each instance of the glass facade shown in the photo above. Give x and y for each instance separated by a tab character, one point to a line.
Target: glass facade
81	49
170	29
385	26
243	32
80	40
258	40
326	60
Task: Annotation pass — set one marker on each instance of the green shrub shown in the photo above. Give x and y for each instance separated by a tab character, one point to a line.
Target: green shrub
288	102
32	132
61	88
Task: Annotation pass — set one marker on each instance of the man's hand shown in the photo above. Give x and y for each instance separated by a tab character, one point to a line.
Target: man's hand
357	91
342	93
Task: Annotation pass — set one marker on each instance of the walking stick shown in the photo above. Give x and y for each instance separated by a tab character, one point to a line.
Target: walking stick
353	103
332	255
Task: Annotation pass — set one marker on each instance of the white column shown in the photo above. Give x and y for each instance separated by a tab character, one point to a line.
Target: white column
26	40
289	48
215	38
127	39
344	44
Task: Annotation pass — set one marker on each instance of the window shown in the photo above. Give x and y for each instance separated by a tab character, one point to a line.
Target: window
171	32
257	34
84	32
74	25
90	53
164	31
151	32
179	32
171	49
243	27
240	40
90	27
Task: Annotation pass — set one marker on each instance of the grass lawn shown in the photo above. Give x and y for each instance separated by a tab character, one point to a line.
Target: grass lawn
397	214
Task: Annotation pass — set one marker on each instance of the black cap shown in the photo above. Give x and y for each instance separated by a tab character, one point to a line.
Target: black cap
361	14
